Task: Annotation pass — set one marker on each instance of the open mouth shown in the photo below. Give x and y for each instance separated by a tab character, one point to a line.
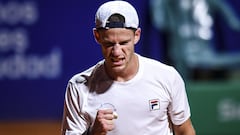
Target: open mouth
117	61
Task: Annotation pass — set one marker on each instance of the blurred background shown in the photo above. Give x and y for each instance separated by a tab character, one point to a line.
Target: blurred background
43	43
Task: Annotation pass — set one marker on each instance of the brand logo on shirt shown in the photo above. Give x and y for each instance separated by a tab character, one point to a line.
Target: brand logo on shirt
154	104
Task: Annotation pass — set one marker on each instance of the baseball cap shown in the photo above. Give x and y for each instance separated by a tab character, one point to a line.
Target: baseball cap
116	7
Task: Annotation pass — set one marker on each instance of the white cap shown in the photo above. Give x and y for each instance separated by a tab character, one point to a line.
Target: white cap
117	7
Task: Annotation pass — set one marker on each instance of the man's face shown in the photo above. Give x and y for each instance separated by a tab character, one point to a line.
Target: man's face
118	48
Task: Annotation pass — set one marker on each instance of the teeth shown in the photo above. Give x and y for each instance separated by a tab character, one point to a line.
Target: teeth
115	60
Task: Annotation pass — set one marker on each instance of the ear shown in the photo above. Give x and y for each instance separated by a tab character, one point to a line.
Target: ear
137	35
96	35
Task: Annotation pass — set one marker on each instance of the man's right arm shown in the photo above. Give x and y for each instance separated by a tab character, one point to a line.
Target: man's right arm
74	121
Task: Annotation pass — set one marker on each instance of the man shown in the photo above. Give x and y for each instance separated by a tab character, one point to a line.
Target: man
148	96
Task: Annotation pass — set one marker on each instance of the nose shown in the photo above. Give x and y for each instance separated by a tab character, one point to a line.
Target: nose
116	49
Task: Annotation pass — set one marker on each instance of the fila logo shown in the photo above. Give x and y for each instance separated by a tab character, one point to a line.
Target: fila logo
154	104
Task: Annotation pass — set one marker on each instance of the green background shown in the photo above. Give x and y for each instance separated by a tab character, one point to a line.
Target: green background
215	107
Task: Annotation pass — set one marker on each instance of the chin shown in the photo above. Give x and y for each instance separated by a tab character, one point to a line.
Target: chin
118	69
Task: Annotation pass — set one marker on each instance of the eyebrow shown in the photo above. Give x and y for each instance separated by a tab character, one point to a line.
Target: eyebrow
112	43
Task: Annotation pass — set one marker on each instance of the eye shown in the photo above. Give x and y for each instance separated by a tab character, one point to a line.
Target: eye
124	43
107	43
